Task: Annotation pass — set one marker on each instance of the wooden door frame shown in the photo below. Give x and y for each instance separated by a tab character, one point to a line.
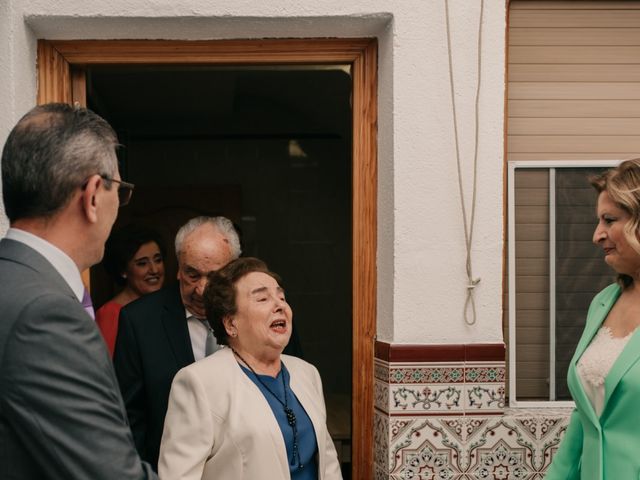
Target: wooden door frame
61	79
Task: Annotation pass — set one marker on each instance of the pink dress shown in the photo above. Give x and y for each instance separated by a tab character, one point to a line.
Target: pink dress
107	320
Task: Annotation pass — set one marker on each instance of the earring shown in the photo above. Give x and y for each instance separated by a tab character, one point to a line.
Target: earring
234	334
124	275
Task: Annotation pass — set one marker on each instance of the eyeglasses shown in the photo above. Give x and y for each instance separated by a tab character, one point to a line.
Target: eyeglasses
125	189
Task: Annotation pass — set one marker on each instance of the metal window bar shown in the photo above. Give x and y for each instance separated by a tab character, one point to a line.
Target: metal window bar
552	284
552	165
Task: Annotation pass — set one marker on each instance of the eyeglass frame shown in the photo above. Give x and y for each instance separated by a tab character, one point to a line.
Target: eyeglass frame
123	186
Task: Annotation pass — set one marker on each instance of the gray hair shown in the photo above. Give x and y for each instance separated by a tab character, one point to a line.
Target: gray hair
50	152
221	224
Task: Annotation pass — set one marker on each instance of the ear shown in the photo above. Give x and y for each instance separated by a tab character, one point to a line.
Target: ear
229	323
89	200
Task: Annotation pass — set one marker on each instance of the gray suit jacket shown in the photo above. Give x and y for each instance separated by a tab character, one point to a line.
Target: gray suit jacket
61	413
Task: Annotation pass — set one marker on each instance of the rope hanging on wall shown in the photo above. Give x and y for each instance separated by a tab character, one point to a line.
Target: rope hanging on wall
472	282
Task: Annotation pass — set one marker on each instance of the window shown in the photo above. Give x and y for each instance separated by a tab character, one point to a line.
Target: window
554	271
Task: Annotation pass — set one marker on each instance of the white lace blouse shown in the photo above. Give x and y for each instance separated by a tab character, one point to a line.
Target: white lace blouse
596	362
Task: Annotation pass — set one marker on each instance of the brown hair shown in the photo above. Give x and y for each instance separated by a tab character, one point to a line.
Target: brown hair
622	183
220	292
122	246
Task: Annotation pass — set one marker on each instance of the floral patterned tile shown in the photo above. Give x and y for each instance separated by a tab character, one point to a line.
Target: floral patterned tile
462	429
543	430
381	440
381	396
473	447
398	426
402	477
380	473
381	370
425	451
502	452
403	430
539	428
427	399
485	398
484	372
449	422
419	373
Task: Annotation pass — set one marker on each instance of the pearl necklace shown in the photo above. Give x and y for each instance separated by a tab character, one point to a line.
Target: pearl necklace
291	416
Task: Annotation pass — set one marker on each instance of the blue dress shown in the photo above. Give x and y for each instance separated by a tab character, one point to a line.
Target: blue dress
306	436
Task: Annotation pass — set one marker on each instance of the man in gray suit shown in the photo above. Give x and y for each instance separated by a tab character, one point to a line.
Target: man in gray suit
61	413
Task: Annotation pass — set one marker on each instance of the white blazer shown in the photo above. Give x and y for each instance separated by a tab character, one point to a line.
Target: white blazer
219	425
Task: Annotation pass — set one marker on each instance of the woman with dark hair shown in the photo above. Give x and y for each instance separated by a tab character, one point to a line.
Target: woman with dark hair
134	258
603	436
247	412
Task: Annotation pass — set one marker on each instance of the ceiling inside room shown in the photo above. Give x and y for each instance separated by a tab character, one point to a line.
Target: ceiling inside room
203	101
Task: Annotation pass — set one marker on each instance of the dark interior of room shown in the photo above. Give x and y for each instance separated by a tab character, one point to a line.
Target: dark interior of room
268	147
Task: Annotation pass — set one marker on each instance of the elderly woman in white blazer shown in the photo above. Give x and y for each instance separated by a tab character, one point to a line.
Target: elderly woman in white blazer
247	412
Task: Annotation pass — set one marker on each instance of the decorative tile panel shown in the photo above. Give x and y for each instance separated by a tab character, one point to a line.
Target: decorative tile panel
380	473
381	370
381	440
443	417
420	374
430	399
473	448
484	397
381	396
484	373
445	388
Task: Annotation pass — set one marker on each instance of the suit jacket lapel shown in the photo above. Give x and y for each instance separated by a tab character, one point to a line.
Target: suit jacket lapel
174	322
27	256
594	322
309	401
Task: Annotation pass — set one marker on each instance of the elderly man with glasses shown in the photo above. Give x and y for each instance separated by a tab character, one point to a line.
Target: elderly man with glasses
61	413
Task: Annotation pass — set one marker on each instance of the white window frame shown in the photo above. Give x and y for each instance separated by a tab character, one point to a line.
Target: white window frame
551	165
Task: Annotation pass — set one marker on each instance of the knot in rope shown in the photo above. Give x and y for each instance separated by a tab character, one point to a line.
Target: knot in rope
473	283
470	302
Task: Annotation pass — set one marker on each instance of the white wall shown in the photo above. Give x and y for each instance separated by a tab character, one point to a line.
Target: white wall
17	73
421	255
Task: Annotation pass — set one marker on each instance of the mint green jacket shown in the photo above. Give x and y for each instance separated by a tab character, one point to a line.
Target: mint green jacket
605	448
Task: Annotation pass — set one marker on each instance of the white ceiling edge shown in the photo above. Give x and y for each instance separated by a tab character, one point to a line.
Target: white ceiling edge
64	27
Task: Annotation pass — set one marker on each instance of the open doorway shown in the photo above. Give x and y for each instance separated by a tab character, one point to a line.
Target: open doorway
270	148
61	66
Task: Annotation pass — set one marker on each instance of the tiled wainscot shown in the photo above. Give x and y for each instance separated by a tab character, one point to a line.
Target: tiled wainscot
440	414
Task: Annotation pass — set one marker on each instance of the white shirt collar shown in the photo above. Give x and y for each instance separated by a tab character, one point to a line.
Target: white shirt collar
56	257
191	315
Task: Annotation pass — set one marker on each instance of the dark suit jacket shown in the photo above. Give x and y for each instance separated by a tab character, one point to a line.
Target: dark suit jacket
153	343
61	414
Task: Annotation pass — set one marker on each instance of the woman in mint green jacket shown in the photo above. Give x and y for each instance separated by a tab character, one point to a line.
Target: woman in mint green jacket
602	441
